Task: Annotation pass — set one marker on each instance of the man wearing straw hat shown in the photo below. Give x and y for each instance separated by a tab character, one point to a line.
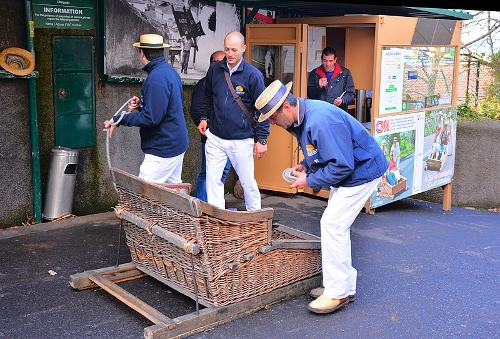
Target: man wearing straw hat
341	155
164	136
232	86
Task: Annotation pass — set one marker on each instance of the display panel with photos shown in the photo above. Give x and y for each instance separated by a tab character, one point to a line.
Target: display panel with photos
414	78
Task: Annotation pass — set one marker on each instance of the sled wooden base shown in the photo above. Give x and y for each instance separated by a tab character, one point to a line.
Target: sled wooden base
165	327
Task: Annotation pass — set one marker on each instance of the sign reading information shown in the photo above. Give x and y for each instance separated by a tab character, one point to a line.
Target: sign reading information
69	14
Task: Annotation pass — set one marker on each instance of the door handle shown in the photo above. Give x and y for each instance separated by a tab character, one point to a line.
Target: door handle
61	92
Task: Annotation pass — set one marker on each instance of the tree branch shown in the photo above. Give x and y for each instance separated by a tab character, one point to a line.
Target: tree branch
493	29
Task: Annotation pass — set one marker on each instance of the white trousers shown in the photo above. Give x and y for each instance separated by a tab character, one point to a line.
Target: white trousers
162	170
344	204
240	152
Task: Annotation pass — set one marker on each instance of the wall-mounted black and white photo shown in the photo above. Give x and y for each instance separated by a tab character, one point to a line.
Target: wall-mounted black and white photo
193	29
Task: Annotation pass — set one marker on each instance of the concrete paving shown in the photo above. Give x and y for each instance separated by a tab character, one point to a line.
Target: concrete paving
422	273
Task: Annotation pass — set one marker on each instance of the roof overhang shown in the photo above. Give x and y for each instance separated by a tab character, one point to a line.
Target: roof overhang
295	8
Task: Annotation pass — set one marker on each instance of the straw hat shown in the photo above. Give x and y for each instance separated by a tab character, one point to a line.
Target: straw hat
151	41
17	61
272	98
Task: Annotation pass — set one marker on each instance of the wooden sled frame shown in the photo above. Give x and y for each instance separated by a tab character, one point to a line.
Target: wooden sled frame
185	325
207	318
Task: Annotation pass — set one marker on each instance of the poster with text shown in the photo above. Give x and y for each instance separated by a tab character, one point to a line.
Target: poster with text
398	138
391	81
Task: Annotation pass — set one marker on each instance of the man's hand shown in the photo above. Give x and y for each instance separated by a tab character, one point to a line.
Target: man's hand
133	103
337	102
299	168
109	126
259	150
202	127
301	181
323	82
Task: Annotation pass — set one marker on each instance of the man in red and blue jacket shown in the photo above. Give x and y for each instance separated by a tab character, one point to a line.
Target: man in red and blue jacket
331	82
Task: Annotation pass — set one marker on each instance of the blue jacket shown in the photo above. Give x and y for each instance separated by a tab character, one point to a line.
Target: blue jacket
197	104
228	121
160	118
338	150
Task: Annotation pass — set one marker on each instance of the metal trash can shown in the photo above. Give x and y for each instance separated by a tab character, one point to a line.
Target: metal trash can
61	183
360	104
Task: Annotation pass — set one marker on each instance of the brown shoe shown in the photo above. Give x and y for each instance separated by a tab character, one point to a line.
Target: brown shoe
316	292
324	304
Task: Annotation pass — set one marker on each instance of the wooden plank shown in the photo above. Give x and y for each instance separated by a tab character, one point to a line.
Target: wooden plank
236	216
187	204
447	197
130	300
212	316
171	237
297	244
295	232
269	231
175	286
123	272
292	244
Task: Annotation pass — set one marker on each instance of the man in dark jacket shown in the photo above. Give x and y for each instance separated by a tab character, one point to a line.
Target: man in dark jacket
231	133
164	136
339	154
331	82
195	111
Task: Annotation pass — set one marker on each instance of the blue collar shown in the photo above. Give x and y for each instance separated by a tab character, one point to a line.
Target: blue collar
152	64
302	108
241	66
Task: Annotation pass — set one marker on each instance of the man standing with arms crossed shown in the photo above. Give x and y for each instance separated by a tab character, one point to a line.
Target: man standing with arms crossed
340	154
231	88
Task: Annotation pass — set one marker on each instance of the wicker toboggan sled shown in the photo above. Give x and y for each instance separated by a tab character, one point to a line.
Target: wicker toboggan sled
215	256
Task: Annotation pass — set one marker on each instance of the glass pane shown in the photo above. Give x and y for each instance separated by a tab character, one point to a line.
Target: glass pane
275	62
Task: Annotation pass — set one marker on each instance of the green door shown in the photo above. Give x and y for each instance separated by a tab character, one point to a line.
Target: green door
74	98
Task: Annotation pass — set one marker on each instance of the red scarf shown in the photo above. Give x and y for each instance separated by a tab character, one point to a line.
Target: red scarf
321	71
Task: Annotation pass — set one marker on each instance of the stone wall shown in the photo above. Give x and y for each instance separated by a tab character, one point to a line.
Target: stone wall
16	199
476	181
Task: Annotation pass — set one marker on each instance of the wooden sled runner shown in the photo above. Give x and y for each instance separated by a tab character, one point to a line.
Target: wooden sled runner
230	262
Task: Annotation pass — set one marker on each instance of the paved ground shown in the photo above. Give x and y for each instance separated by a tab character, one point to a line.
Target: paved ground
422	273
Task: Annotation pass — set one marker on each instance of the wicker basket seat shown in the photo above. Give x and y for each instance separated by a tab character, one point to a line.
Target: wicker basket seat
214	255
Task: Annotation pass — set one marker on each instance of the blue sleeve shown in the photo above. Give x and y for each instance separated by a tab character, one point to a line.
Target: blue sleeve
334	146
313	89
197	102
153	107
207	97
256	88
304	163
350	92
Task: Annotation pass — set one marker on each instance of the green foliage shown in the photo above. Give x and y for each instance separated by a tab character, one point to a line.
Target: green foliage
406	143
406	147
489	108
467	112
494	88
